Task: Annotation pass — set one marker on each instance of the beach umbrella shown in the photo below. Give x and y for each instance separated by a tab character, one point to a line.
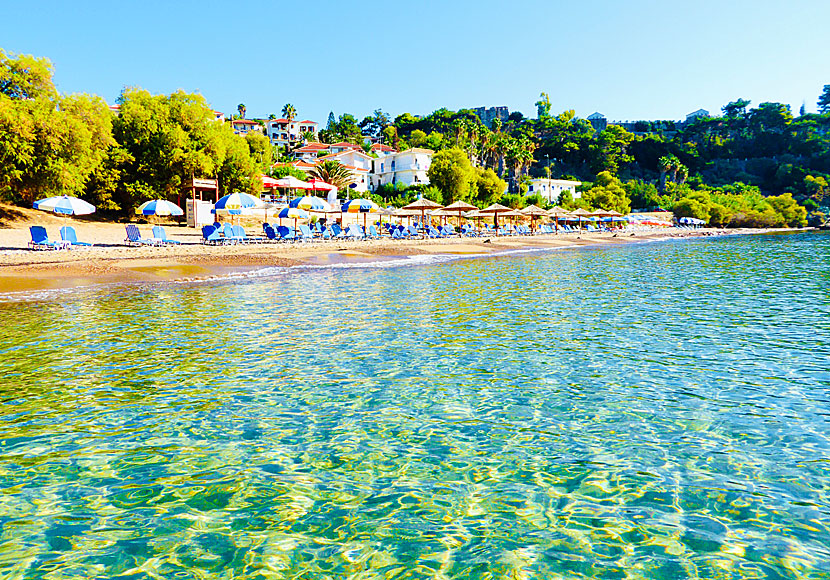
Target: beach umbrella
293	212
319	185
158	207
423	204
580	213
557	213
234	203
358	205
533	211
64	205
495	209
310	203
387	211
460	207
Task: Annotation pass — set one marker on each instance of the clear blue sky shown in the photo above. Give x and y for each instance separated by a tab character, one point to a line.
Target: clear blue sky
633	59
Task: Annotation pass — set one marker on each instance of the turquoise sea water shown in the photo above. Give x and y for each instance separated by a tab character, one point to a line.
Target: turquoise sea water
647	411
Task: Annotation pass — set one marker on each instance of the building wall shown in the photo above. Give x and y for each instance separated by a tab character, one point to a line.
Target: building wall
407	167
551	189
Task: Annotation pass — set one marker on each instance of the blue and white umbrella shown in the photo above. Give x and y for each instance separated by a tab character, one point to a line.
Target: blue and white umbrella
234	203
293	212
359	206
65	205
311	203
159	207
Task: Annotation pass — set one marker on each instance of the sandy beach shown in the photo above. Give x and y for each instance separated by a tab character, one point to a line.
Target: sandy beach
110	260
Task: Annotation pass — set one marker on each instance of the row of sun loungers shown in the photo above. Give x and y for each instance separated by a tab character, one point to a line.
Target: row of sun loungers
224	234
69	238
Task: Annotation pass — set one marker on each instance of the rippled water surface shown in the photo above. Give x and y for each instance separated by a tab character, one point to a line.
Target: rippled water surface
649	411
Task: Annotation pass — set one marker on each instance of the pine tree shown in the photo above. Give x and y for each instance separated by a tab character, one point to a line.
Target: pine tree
332	122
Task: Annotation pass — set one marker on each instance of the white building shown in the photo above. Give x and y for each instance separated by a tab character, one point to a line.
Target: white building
357	162
551	189
284	132
700	113
245	126
407	167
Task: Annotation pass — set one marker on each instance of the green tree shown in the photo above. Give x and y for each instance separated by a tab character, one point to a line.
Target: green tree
241	108
49	144
174	138
609	150
261	150
794	215
24	76
608	193
289	112
452	173
543	106
334	173
824	101
488	186
735	109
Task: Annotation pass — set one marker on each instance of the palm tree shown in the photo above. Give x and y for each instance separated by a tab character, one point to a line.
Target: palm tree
241	108
333	172
289	112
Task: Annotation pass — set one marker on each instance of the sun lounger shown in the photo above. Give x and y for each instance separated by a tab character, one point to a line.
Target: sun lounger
305	233
243	238
373	233
211	236
286	234
134	237
41	241
271	234
160	234
69	237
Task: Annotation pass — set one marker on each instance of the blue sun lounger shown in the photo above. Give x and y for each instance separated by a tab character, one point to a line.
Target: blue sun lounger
69	236
134	237
160	234
40	239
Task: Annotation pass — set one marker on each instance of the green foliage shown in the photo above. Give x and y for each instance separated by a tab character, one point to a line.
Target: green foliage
566	199
488	187
49	144
824	101
543	106
23	76
260	149
334	173
171	139
609	150
345	128
452	173
279	171
608	193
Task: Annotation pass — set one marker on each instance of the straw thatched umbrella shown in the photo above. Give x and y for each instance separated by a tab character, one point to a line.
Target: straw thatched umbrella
460	207
580	213
423	204
533	211
556	213
496	209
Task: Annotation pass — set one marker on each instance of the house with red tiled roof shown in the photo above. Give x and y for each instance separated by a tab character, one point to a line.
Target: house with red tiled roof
357	162
245	126
289	132
380	150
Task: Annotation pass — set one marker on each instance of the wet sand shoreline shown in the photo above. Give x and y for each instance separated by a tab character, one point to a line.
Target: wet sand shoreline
24	270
